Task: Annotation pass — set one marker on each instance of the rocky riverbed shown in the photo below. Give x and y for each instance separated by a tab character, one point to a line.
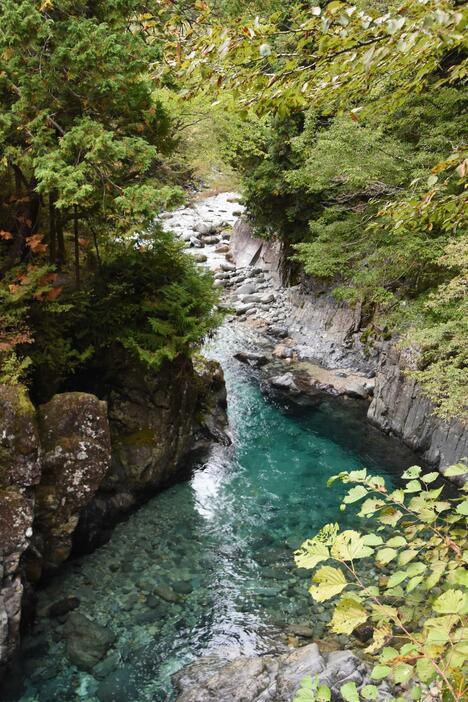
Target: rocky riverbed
252	294
203	575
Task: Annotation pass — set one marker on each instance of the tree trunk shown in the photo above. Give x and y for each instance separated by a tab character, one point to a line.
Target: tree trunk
52	230
61	252
77	247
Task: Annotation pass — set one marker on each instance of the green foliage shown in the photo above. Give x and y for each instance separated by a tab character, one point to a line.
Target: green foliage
85	142
150	300
418	613
357	161
330	55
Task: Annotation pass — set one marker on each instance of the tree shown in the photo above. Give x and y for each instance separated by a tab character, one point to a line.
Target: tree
84	141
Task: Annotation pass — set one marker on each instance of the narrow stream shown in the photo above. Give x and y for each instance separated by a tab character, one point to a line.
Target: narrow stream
206	567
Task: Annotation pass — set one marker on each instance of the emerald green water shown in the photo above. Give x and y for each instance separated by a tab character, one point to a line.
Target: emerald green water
223	541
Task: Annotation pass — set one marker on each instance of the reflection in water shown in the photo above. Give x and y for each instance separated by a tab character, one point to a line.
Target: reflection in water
206	567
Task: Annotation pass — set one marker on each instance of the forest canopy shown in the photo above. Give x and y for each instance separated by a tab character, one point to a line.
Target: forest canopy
343	123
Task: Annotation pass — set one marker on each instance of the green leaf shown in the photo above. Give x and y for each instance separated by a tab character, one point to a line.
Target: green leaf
356	493
456	470
413	486
397	496
370	506
414	582
385	555
397	578
349	692
372	540
356	475
450	602
462	508
460	577
430	477
402	673
348	615
380	672
438	569
331	582
412	473
425	670
388	654
323	694
370	692
407	556
349	546
415	569
311	553
396	542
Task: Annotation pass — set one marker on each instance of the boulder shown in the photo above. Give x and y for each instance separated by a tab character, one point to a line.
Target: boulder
278	332
253	359
246	289
243	308
203	228
87	641
227	267
211	240
76	444
270	678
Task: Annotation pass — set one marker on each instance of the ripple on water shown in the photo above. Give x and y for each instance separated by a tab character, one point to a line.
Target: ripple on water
206	566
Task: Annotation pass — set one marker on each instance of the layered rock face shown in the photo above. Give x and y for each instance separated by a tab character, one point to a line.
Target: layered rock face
399	407
19	473
328	332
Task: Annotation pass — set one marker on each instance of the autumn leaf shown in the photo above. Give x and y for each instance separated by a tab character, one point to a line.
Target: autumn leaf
35	243
5	235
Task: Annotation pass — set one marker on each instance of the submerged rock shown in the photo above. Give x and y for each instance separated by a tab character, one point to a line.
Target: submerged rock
87	641
62	607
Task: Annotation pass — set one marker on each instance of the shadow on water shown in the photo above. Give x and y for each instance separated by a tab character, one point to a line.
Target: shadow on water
206	566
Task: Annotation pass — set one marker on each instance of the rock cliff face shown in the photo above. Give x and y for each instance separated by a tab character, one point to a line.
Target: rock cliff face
19	473
71	466
76	456
328	332
398	407
157	422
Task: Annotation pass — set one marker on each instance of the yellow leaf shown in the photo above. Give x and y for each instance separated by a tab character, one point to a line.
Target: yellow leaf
331	582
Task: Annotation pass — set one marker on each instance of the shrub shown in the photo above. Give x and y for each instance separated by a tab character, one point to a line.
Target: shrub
418	613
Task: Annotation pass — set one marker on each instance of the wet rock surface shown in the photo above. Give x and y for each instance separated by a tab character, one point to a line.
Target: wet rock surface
270	678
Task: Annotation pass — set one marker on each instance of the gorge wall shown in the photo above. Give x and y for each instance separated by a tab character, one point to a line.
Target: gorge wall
328	332
70	467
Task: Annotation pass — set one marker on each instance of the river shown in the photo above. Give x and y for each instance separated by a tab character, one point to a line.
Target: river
221	544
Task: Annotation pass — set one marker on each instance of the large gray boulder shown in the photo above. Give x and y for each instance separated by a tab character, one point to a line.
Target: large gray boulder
269	678
76	447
